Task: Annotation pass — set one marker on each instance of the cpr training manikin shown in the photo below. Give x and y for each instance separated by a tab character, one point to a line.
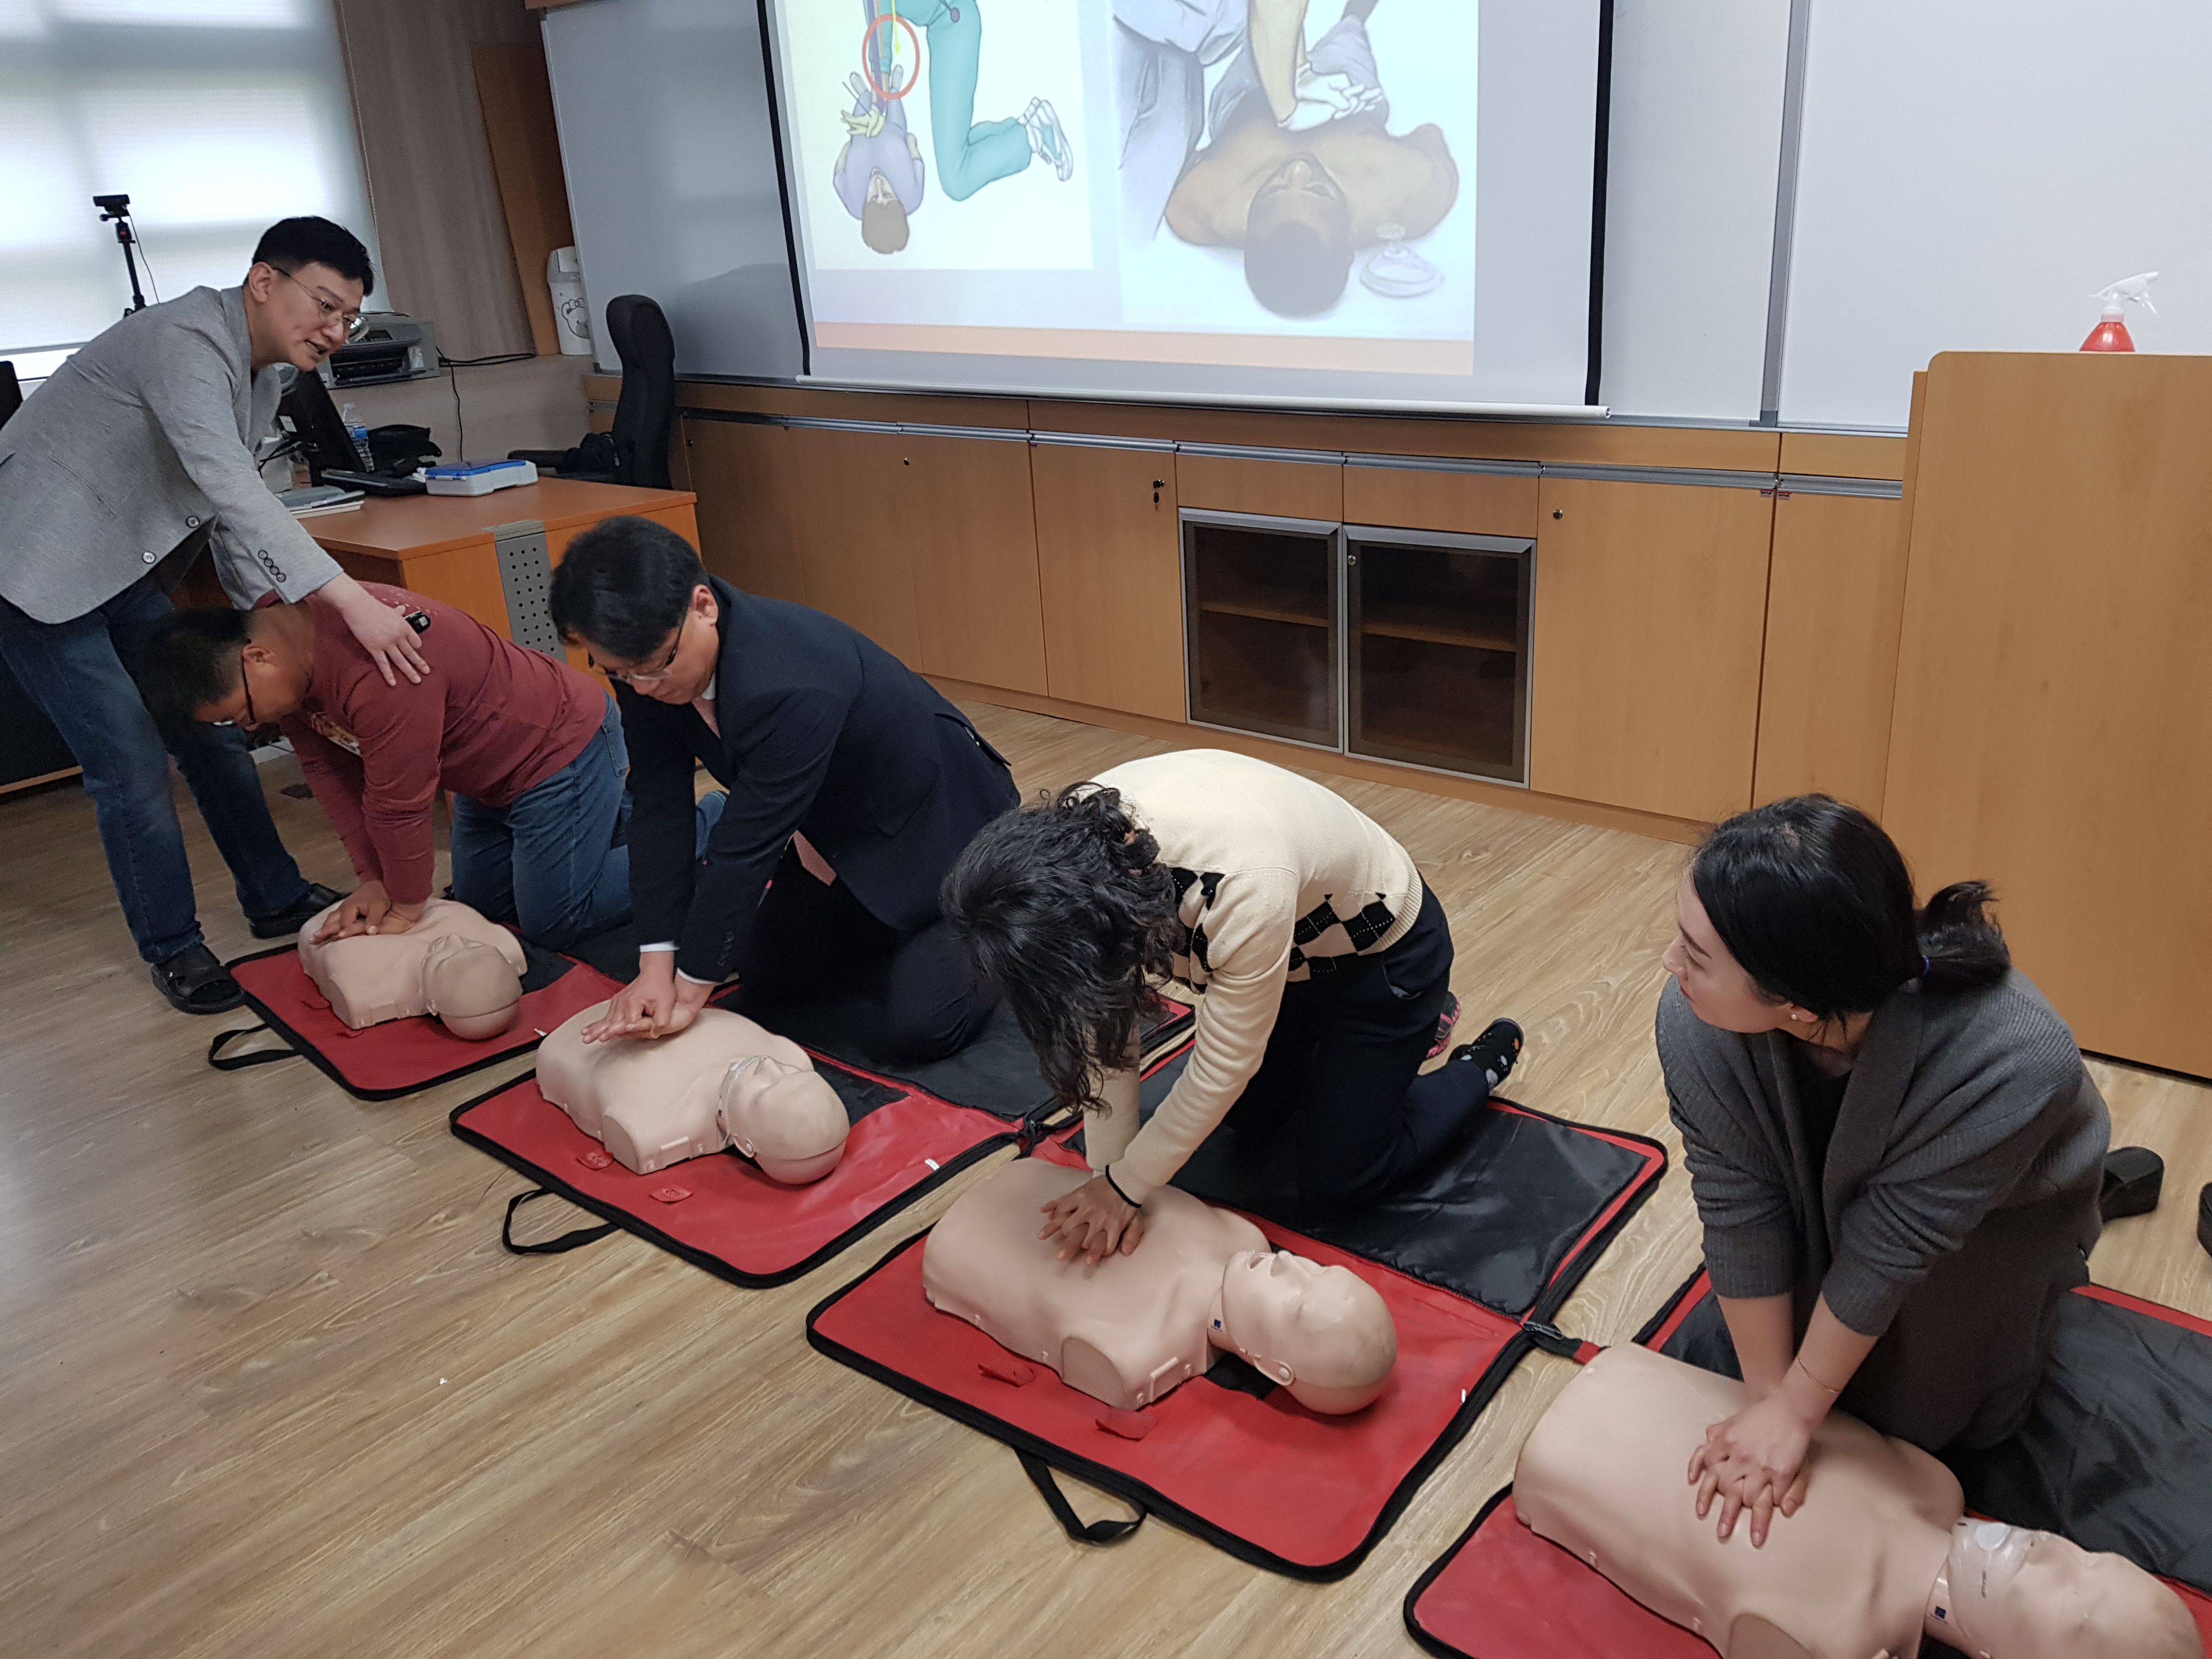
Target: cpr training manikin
454	964
1880	1554
1133	1327
722	1081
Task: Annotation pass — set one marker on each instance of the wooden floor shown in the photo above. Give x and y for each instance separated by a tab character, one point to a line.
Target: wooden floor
271	1386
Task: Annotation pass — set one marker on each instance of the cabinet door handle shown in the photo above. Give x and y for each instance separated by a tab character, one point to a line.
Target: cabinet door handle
1158	484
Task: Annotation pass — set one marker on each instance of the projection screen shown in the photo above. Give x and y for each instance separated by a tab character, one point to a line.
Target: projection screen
1303	201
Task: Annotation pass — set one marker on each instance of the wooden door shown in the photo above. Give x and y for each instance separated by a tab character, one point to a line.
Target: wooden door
962	506
742	473
1835	599
854	526
1650	607
2054	694
1110	571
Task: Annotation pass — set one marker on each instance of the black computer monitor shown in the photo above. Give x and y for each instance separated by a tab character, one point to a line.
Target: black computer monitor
316	423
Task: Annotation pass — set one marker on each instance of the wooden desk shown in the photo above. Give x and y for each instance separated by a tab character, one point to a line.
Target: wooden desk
440	546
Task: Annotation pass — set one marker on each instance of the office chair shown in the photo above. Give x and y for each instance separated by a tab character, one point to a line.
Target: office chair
637	451
11	393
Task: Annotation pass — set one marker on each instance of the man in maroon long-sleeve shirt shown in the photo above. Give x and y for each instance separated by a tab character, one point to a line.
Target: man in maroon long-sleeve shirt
532	750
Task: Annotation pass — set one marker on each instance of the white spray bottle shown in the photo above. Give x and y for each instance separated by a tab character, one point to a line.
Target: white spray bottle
2111	333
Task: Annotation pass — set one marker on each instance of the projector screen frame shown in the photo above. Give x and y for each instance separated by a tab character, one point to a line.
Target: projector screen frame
1591	409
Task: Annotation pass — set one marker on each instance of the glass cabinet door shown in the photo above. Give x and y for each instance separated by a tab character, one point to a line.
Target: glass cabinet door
1260	622
1438	650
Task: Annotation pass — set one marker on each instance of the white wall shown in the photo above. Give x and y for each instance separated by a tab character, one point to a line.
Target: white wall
1969	175
1697	126
1973	174
666	138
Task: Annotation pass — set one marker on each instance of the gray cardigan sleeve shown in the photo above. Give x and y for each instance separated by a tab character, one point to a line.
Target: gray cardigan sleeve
1736	1174
2014	1088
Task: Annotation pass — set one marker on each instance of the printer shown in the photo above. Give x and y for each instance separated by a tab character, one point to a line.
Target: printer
393	346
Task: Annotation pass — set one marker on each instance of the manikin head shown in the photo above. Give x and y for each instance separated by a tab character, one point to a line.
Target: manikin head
883	216
1297	240
786	1119
1322	1333
2009	1594
472	988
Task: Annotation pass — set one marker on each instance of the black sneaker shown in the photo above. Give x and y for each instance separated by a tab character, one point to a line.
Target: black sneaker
319	898
196	983
1495	1050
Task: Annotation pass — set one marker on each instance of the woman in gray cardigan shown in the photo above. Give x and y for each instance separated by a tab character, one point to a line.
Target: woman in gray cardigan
1893	1144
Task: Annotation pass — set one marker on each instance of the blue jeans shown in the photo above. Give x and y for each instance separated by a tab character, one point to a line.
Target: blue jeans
79	673
546	864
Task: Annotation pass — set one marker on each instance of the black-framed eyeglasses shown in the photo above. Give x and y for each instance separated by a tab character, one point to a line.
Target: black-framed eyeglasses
246	685
652	676
354	321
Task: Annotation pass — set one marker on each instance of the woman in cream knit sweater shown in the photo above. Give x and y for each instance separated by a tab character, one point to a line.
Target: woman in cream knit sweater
1323	962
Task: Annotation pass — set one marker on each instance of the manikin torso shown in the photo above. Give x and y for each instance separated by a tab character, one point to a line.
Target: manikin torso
654	1102
1846	1577
373	977
1126	1331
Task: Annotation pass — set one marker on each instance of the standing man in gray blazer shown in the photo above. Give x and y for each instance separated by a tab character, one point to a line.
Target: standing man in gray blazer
136	456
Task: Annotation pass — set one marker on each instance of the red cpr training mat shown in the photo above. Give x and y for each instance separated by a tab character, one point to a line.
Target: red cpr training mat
399	1056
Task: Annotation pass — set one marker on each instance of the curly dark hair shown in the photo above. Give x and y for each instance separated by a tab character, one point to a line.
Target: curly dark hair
1066	904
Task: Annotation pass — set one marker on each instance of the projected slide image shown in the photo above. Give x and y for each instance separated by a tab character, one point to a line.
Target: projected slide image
1245	129
940	134
1273	185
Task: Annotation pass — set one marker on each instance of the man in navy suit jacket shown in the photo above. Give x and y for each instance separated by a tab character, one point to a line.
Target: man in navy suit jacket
853	787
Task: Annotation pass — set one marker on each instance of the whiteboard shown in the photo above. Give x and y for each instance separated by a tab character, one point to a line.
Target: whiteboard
1971	173
1689	213
670	151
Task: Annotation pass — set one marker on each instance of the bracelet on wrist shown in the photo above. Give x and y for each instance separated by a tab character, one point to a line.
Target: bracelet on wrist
1108	1175
1807	1370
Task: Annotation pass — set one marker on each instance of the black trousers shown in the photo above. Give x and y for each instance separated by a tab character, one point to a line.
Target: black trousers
1342	1070
813	936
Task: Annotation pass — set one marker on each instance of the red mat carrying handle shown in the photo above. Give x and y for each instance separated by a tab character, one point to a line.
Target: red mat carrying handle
567	1242
1107	1531
223	1062
1043	1122
1552	1339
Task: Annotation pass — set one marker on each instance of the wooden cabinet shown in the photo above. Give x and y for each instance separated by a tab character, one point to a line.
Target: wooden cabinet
1399	645
1436	661
1650	608
1461	497
1109	577
1223	481
964	503
749	515
927	544
1835	597
2052	723
1263	625
857	533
